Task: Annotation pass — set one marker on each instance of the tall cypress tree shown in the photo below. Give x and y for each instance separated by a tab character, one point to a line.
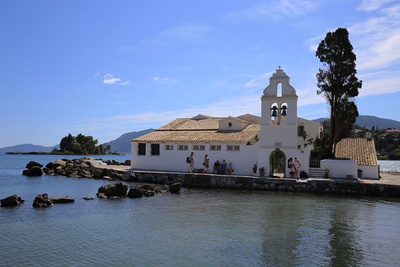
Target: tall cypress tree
338	83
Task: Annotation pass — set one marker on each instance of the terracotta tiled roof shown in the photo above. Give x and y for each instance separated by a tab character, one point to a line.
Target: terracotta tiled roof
191	125
204	130
361	150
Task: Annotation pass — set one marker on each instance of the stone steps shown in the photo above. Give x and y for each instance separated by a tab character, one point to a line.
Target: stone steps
316	173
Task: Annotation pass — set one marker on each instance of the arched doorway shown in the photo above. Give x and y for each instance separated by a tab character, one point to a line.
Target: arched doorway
277	163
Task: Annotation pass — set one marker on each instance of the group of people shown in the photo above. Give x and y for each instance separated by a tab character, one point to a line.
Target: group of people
220	168
294	166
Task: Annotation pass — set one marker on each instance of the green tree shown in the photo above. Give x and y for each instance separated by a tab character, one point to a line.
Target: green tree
338	83
66	143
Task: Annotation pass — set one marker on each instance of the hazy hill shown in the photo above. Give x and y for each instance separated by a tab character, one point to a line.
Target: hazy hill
369	121
28	148
122	144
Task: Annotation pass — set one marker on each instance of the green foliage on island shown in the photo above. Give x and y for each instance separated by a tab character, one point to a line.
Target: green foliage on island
82	145
387	141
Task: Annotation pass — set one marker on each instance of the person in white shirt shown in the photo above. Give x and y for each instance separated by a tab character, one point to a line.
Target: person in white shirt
297	165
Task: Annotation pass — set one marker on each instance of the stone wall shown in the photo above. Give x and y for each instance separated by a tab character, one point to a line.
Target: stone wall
342	186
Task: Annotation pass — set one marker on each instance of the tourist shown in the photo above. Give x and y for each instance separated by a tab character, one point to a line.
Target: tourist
216	167
230	168
223	167
191	162
291	167
297	165
206	163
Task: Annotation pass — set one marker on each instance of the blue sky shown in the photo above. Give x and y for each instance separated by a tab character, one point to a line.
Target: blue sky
105	68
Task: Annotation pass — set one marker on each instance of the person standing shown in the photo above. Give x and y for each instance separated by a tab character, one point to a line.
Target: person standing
206	163
191	162
291	167
297	165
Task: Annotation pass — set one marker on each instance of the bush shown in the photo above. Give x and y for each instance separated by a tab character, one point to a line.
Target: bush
303	174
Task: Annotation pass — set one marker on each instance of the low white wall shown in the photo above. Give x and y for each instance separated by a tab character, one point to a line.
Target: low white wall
369	172
340	168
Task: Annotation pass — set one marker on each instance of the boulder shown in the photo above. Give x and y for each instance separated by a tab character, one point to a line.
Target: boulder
175	188
135	192
32	164
60	162
117	189
88	198
127	162
66	199
163	189
11	201
34	171
42	201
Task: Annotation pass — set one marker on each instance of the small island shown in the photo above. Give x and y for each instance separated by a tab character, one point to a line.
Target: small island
75	145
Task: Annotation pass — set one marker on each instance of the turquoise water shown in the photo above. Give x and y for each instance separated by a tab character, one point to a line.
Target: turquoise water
194	228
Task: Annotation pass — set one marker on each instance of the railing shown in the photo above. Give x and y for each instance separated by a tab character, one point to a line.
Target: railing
315	162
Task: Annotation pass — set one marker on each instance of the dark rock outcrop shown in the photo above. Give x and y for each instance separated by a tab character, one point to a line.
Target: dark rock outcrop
88	198
33	171
66	199
32	164
175	188
135	192
11	201
42	201
117	189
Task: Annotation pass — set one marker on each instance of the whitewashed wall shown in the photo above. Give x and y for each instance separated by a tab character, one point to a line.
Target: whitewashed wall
340	168
175	160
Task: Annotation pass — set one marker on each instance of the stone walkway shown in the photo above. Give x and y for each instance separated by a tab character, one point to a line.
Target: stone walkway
391	178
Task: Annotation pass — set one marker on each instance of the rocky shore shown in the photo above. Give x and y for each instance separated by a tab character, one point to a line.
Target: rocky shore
80	168
89	168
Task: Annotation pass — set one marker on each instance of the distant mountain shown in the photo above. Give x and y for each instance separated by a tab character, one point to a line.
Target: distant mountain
369	121
122	144
28	148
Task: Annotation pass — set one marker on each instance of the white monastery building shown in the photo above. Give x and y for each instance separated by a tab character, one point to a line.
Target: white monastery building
267	141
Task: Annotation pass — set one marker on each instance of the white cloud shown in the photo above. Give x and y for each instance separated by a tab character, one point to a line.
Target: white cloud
369	5
97	75
277	10
187	32
111	80
164	79
261	80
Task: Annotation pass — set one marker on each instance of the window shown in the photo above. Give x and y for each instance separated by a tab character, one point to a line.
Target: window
233	148
155	149
215	147
199	147
183	147
169	147
142	149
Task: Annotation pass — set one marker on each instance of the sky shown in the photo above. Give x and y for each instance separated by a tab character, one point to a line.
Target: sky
105	68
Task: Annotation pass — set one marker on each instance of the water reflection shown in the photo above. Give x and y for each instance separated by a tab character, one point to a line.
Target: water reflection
315	230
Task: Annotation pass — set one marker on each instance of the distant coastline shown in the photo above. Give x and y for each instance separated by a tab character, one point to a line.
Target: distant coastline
52	153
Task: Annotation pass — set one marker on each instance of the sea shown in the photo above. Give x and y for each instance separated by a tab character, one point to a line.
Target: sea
197	227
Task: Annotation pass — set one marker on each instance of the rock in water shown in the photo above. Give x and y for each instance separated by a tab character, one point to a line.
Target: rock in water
32	164
11	201
117	189
33	171
175	188
42	201
135	193
66	199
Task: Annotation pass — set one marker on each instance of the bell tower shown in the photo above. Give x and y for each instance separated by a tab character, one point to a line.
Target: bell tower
278	120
